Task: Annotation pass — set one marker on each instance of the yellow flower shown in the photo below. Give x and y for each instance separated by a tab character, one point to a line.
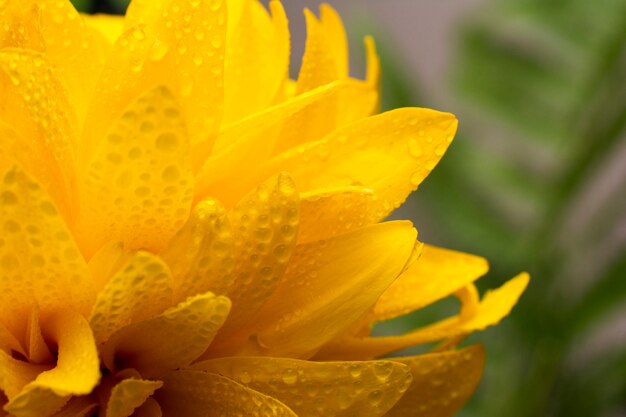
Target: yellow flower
188	232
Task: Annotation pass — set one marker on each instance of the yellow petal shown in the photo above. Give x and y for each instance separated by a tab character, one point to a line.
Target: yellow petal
169	341
126	75
336	35
323	60
74	52
257	57
265	227
40	111
494	306
34	159
201	394
128	395
108	26
329	212
442	382
326	60
106	263
241	147
77	407
380	152
38	351
140	290
436	274
36	401
39	262
76	373
329	285
200	256
358	388
8	342
138	187
56	29
15	374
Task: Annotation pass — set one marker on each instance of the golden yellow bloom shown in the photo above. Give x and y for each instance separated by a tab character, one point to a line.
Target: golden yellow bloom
188	232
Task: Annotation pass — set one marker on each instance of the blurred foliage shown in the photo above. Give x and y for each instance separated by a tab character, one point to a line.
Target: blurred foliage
535	181
101	6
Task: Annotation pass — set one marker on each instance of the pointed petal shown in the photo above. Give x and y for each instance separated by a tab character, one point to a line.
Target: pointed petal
169	341
40	111
321	63
202	394
329	212
109	26
77	370
329	285
494	306
442	382
106	263
380	152
73	50
257	57
265	227
200	256
241	147
140	290
436	274
128	395
38	351
39	262
15	374
359	388
139	186
55	28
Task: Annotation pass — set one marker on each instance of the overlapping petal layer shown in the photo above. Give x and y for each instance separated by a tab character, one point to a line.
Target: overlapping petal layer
187	231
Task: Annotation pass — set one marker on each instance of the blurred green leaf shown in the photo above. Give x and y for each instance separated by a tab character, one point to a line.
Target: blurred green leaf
544	112
83	5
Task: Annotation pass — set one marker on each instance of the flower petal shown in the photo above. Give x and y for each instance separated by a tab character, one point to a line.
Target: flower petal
329	212
140	290
38	351
169	341
358	388
139	185
77	370
77	407
128	395
16	374
257	57
40	111
190	39
436	274
150	408
200	256
442	382
203	394
379	152
241	147
55	28
109	26
494	306
265	227
39	261
329	285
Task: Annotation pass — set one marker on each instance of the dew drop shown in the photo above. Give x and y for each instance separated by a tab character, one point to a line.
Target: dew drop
290	376
415	148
